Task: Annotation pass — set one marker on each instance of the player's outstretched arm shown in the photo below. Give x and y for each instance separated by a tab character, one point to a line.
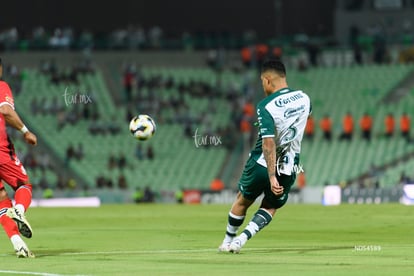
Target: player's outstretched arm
13	119
269	152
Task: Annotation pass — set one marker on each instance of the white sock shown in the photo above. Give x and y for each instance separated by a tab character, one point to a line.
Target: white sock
16	240
243	238
20	207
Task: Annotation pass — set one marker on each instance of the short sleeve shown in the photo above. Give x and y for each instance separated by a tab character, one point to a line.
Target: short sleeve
6	96
266	122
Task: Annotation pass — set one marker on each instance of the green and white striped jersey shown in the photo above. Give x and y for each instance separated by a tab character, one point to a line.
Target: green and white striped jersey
282	115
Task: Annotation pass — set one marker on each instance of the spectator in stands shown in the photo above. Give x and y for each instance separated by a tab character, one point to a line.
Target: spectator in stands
43	106
217	184
34	106
249	109
301	180
149	195
277	52
300	183
86	112
366	126
60	181
96	127
55	106
61	120
310	128
113	126
70	153
188	129
326	127
389	122
246	129
313	50
44	161
112	164
347	127
150	153
246	56
262	51
405	126
122	183
139	152
122	161
404	178
128	81
79	152
357	51
100	181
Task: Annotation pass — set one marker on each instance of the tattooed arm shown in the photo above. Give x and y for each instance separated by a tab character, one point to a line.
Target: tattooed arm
269	152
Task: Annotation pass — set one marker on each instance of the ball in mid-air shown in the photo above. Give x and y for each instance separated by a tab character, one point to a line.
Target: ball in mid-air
142	127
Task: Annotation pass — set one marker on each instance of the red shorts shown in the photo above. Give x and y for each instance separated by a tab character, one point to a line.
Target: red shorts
13	173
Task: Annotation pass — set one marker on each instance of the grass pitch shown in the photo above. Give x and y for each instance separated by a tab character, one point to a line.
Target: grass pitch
183	239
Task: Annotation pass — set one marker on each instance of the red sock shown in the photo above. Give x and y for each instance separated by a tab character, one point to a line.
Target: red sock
8	224
23	195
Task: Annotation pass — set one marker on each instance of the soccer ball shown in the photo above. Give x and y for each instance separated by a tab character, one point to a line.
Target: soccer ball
142	127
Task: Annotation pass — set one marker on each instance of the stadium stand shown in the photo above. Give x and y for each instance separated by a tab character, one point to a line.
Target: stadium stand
178	162
360	88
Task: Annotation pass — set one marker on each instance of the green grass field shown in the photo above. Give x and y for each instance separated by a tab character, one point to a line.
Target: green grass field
183	240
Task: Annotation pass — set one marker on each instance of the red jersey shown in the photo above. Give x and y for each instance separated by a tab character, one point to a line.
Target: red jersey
6	146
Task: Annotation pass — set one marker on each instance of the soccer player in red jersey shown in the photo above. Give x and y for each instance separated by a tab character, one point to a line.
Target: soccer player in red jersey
12	172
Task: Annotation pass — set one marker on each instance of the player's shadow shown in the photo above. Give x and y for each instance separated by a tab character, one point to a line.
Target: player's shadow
48	253
299	250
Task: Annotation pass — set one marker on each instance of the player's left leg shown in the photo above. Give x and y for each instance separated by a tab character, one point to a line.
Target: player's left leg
245	198
260	219
14	174
264	215
10	227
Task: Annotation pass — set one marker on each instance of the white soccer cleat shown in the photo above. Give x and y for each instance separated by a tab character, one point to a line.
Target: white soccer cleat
235	246
224	247
21	221
22	251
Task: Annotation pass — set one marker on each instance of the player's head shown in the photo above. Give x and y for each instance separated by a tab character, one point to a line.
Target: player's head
273	75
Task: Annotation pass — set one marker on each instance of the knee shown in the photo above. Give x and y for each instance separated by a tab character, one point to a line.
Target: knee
26	185
3	194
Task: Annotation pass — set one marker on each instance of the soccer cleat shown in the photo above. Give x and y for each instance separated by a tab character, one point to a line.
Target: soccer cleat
22	251
224	247
235	246
21	221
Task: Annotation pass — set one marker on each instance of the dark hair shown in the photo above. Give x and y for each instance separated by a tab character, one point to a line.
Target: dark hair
275	65
0	62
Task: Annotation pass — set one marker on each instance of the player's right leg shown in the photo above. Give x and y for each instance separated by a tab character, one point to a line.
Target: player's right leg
20	247
245	198
235	220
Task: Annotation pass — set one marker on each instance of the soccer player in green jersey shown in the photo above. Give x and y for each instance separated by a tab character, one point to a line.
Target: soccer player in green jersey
273	162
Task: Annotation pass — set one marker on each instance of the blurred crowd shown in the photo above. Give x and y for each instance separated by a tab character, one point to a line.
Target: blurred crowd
349	125
154	102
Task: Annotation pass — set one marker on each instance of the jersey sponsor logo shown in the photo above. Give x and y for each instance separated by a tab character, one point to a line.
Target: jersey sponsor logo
291	112
263	130
282	101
